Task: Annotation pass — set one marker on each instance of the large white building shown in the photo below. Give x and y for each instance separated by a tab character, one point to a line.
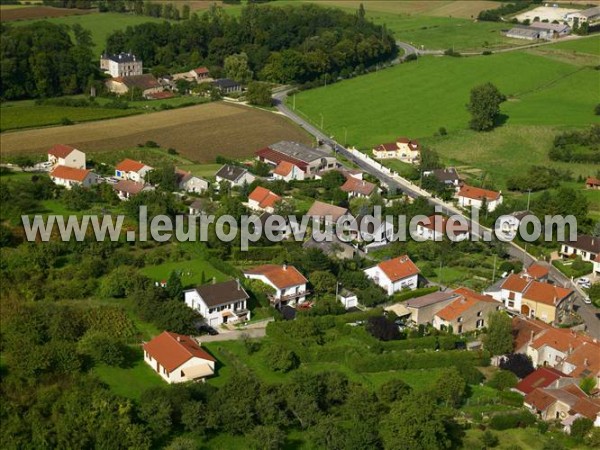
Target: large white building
288	283
121	65
65	155
219	303
69	177
473	197
395	274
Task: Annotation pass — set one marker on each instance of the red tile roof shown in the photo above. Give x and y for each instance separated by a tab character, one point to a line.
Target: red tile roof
592	181
128	186
539	399
387	147
546	293
540	378
201	70
438	223
585	358
171	350
129	165
161	95
358	186
468	299
560	339
478	193
276	157
537	271
281	276
61	150
524	329
515	283
70	173
264	197
284	168
398	268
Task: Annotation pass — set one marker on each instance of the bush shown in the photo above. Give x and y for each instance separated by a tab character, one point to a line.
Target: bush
66	121
489	439
102	348
517	363
581	428
172	151
383	329
280	359
406	295
502	380
151	144
515	420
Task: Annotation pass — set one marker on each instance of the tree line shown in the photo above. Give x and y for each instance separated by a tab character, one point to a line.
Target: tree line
282	44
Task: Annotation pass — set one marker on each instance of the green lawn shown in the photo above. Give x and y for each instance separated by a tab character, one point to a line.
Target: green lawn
202	170
589	45
26	115
100	24
130	381
191	271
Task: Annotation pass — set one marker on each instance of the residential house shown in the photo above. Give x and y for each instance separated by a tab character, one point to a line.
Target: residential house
288	171
178	358
333	247
542	377
70	176
525	330
422	310
262	199
590	15
536	271
592	183
235	176
404	149
277	225
585	246
395	274
309	160
190	183
126	189
525	295
326	213
359	188
128	169
366	228
199	206
509	224
596	264
65	155
227	86
566	404
200	74
289	284
447	176
348	299
146	84
121	65
583	360
219	303
474	197
469	312
437	227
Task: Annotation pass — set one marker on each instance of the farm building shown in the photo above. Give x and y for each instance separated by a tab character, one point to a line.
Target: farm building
234	176
395	274
219	303
592	183
309	160
227	86
178	358
289	284
121	65
590	15
539	30
128	169
70	176
147	84
474	197
65	155
404	149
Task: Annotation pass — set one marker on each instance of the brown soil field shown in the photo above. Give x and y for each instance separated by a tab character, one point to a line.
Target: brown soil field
199	133
39	12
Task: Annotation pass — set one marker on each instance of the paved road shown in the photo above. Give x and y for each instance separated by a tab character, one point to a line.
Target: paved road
587	312
234	335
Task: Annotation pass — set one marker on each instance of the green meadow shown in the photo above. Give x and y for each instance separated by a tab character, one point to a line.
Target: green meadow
191	272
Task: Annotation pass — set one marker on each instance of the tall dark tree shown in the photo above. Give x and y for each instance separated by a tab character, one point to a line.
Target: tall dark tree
484	106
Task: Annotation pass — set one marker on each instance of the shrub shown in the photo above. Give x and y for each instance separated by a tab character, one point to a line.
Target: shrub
66	121
442	131
383	329
280	359
489	439
502	380
102	348
581	428
515	420
172	151
151	144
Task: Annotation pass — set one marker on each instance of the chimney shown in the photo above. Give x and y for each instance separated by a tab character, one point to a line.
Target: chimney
285	265
586	363
237	281
178	338
531	335
214	280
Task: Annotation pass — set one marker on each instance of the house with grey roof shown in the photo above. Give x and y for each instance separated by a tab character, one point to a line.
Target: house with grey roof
310	160
421	310
219	303
121	65
235	176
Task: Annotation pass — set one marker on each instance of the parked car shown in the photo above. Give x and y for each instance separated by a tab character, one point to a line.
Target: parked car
587	300
583	280
208	330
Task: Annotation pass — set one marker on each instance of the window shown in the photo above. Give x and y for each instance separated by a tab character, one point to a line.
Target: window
479	323
511	304
460	319
479	314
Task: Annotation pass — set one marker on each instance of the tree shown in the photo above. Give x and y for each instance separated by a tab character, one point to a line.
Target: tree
102	348
393	390
236	68
489	439
517	363
266	438
502	380
323	282
415	423
587	385
581	428
383	329
280	359
499	339
174	286
259	94
484	106
450	387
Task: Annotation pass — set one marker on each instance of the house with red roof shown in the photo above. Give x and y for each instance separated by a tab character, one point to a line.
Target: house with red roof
542	377
65	155
70	176
359	188
178	358
474	197
288	171
309	160
262	199
523	294
592	183
200	74
405	149
537	272
128	169
288	283
468	312
395	274
438	226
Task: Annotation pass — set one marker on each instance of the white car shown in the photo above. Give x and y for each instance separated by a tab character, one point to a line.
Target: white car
583	280
587	301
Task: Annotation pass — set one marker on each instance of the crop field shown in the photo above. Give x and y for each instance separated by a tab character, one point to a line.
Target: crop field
545	96
23	12
27	115
199	133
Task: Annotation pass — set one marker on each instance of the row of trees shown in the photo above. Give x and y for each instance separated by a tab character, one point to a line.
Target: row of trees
577	146
288	44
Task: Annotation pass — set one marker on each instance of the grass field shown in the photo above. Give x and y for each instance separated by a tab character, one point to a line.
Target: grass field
589	45
199	133
545	96
100	24
191	272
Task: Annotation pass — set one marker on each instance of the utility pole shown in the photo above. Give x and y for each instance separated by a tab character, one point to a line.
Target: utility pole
294	101
345	136
528	198
494	272
321	114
